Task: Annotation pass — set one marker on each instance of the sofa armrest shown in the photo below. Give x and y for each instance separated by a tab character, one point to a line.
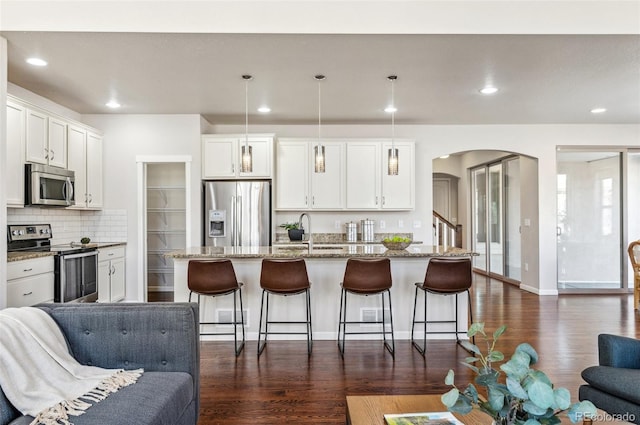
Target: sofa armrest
618	351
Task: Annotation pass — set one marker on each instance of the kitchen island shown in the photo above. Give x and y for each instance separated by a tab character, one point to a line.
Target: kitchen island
325	266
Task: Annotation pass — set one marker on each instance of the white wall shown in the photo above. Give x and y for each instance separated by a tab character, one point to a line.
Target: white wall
127	136
3	169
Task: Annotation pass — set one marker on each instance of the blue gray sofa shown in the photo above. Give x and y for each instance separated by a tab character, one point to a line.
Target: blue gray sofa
161	338
614	385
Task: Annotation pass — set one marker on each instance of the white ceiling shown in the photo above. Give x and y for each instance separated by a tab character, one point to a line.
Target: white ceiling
542	78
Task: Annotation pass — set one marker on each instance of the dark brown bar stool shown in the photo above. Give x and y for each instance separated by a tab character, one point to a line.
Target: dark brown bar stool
366	276
445	276
283	277
216	278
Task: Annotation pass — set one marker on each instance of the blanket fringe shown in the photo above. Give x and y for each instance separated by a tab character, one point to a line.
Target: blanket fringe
59	414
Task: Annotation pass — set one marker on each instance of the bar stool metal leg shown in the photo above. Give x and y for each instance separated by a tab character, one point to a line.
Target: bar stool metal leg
240	346
421	349
309	327
342	325
391	348
261	345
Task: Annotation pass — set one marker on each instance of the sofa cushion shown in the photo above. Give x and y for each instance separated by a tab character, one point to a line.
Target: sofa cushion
620	382
158	398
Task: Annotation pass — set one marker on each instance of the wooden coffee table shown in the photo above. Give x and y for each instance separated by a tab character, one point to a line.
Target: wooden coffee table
370	409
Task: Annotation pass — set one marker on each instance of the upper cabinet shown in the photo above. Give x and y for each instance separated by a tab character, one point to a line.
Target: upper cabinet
355	176
46	139
16	135
85	159
222	156
298	186
38	136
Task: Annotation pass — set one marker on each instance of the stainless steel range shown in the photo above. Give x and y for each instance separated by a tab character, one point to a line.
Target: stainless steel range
76	266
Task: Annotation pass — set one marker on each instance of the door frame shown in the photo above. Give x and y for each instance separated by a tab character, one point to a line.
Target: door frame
141	162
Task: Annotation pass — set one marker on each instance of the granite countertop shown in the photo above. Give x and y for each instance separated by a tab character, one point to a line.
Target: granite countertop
19	256
322	251
30	255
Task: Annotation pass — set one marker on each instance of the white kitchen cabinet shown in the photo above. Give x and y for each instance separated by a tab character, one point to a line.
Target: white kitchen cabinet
30	282
292	175
363	175
94	171
369	187
298	186
46	139
57	143
16	136
328	188
398	192
221	156
111	274
85	159
77	162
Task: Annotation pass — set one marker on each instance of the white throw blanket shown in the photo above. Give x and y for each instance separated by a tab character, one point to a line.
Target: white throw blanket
39	376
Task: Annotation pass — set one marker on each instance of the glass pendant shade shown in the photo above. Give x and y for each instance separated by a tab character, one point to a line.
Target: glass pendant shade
319	158
393	162
319	148
246	160
246	166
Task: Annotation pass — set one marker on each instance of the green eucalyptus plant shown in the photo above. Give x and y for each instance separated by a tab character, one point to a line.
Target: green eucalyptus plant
526	397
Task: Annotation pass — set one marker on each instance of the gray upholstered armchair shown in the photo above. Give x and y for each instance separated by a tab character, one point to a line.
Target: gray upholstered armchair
161	338
614	385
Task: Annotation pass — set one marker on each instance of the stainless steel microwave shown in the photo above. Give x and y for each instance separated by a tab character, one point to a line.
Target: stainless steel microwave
49	186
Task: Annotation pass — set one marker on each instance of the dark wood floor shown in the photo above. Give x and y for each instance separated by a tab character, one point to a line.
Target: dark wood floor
285	386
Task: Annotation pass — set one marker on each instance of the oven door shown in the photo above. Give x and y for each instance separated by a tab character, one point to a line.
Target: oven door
76	277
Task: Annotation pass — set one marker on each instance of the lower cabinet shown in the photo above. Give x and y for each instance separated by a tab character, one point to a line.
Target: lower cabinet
111	274
30	282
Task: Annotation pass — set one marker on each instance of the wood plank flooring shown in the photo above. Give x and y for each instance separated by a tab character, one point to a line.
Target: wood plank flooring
287	386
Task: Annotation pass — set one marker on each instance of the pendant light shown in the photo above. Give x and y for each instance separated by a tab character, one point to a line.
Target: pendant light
319	148
246	164
392	168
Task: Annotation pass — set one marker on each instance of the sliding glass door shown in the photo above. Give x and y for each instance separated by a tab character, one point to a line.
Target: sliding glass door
589	220
496	217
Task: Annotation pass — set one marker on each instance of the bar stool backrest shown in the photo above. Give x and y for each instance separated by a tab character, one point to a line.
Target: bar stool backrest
211	276
448	275
284	275
367	275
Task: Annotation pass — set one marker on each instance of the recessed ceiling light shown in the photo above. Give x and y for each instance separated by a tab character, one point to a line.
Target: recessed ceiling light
37	62
598	110
390	109
488	90
112	104
264	109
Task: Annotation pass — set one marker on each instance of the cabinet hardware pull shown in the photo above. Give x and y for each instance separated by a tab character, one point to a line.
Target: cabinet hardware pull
313	200
28	293
53	154
46	153
110	254
27	270
376	200
383	201
233	168
306	200
113	268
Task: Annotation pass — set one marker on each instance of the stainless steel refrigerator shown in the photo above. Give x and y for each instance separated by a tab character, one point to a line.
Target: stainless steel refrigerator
237	213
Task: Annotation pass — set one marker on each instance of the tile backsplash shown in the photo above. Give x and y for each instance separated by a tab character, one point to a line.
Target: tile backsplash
72	225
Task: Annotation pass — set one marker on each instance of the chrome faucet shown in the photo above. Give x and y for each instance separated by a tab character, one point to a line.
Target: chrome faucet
310	239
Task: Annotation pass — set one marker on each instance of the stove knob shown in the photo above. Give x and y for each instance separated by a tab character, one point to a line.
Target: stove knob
14	232
20	232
